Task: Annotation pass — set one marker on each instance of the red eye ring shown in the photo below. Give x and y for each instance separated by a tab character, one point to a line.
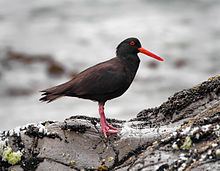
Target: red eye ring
132	43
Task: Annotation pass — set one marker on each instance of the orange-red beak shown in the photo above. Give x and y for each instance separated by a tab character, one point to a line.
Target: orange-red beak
148	53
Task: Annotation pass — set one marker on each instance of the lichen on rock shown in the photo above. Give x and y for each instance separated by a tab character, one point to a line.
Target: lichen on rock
10	156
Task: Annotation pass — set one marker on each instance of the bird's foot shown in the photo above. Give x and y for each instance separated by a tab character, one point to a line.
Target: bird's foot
108	130
111	127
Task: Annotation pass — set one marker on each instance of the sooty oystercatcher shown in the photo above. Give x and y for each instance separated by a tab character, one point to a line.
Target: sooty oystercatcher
104	81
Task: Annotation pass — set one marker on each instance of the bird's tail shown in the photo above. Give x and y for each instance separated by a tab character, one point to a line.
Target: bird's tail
48	97
53	93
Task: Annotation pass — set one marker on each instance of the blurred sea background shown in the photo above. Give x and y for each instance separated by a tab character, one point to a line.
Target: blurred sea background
45	42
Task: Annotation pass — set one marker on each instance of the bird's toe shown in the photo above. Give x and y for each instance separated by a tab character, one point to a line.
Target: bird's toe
106	130
111	127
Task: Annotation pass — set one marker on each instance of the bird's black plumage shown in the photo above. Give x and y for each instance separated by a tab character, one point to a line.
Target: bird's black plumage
103	81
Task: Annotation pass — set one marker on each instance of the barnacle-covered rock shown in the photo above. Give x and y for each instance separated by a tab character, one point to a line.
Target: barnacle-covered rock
181	134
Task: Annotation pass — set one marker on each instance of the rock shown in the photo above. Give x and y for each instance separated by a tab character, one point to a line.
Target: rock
181	134
54	68
24	58
180	63
152	65
17	91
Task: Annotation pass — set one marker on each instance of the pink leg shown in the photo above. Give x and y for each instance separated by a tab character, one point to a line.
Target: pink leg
105	127
110	126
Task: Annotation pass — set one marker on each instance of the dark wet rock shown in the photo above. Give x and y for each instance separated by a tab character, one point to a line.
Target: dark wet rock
16	91
13	56
152	65
54	68
184	103
74	126
30	163
36	132
181	134
180	63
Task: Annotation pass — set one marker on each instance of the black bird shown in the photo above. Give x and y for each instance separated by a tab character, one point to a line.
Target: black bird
104	81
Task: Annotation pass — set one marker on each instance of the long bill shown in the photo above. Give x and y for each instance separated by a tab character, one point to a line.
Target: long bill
148	53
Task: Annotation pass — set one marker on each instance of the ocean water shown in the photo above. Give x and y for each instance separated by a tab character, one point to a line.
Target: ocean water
80	34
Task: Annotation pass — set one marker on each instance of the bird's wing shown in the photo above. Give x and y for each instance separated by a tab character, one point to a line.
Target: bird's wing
103	78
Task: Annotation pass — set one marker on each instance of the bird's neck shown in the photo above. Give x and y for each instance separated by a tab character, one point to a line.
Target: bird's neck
131	62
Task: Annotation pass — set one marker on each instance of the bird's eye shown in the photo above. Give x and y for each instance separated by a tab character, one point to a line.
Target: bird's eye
132	43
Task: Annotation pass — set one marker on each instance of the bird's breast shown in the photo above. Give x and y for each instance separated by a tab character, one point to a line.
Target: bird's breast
131	66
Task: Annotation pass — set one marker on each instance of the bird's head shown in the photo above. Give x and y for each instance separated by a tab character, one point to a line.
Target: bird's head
132	46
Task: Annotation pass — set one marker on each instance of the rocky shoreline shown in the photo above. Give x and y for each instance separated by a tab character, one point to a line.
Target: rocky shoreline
181	134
